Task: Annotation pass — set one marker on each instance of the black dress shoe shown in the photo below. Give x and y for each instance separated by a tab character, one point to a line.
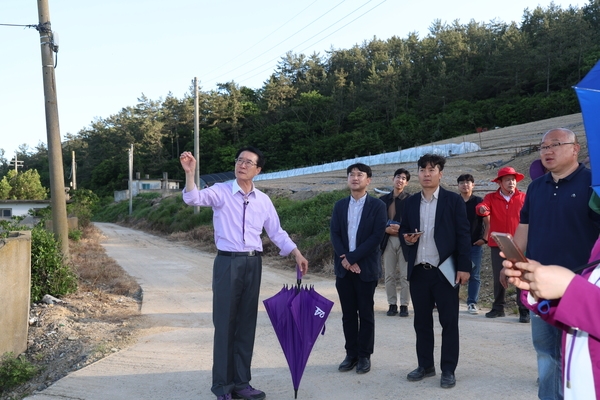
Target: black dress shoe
393	310
420	373
364	365
448	380
348	364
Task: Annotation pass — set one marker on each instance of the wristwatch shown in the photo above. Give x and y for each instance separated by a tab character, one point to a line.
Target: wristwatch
484	240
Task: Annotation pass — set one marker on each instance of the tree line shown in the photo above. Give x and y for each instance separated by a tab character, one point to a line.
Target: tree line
378	96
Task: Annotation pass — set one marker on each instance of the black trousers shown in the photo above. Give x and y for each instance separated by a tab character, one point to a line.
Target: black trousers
499	291
358	314
429	288
236	287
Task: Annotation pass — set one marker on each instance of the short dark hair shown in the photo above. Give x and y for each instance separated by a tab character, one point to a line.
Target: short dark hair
465	177
261	158
403	171
361	167
433	160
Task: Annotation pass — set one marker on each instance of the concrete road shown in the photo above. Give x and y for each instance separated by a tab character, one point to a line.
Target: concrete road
174	360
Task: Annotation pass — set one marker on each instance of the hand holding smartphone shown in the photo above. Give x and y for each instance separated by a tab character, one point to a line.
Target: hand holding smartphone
412	237
506	243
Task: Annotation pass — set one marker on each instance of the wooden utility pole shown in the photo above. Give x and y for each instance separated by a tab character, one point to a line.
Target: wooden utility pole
55	161
196	141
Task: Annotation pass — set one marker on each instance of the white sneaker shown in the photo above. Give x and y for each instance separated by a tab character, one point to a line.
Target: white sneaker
472	308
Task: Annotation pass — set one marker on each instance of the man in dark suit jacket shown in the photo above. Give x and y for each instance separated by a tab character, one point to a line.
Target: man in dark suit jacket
442	218
357	227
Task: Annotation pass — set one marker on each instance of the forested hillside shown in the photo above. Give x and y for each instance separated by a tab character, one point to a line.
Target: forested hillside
378	96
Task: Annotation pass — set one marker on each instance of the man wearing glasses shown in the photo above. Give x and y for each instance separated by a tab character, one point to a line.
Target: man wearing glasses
240	213
556	227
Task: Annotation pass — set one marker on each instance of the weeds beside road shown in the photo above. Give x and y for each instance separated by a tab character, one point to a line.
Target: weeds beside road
99	319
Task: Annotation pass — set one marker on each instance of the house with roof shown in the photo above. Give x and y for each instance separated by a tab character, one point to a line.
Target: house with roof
18	208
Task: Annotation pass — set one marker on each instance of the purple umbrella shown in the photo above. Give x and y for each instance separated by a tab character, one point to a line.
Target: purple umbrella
298	315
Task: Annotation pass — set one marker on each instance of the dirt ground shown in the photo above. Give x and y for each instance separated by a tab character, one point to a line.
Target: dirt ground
92	324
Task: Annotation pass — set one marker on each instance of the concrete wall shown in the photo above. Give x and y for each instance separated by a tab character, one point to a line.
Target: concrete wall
15	283
72	224
122	195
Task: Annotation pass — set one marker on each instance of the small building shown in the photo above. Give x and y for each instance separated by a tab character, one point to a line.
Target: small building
165	186
17	208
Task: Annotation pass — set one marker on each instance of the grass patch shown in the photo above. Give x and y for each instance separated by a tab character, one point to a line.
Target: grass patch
15	371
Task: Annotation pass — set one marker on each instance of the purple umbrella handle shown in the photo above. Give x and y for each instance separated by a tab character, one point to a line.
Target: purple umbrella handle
298	275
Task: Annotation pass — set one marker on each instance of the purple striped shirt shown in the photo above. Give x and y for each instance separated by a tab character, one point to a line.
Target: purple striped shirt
237	229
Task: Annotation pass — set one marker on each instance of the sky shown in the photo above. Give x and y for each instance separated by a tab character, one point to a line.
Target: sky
112	52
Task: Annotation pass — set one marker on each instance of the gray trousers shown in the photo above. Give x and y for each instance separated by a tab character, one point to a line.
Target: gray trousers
236	287
396	270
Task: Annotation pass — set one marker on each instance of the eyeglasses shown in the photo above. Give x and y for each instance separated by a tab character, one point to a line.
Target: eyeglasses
247	163
553	146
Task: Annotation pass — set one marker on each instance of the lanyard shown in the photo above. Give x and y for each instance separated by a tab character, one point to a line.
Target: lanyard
244	218
544	305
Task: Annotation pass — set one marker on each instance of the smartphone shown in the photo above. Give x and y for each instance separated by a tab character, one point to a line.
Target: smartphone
506	243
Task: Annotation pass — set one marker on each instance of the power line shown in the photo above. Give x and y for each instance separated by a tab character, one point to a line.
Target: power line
289	37
26	26
262	40
318	41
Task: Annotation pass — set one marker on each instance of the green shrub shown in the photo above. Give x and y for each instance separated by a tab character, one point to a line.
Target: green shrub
49	272
15	371
75	235
83	204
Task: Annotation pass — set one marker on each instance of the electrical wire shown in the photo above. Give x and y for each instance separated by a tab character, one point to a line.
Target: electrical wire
284	40
26	26
262	40
320	40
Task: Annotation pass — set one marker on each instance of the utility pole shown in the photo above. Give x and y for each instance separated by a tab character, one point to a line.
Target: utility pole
16	163
73	171
55	161
131	180
196	141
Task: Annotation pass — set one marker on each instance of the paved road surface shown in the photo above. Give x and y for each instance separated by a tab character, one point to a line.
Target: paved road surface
174	360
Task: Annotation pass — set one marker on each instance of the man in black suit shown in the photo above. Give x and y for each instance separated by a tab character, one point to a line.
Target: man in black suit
357	227
441	217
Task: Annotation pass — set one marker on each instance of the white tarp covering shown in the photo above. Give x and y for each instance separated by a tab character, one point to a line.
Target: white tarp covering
401	156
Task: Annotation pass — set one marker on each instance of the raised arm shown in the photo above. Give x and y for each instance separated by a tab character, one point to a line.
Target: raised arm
188	162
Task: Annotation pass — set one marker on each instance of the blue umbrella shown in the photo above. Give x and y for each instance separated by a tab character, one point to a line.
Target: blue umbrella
298	315
588	92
